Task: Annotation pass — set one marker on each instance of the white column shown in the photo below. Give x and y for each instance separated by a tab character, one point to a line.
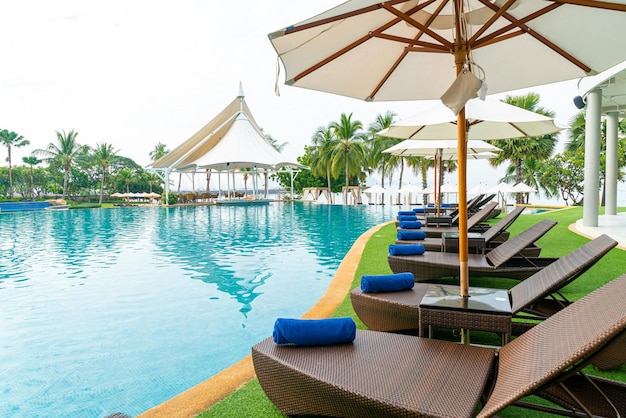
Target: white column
611	163
592	158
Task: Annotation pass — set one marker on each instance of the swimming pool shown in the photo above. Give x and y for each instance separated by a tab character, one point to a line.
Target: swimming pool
119	310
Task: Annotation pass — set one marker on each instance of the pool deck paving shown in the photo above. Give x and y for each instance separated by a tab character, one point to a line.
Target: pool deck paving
202	396
612	225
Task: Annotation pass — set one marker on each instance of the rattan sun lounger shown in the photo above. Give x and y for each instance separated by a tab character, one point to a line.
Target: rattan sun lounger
385	374
472	222
534	299
503	261
492	236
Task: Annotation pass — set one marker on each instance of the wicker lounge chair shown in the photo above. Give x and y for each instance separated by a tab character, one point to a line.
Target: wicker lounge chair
385	374
535	298
503	261
472	222
492	236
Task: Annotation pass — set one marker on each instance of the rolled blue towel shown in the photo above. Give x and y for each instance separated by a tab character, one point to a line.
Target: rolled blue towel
418	210
406	249
410	225
411	235
314	331
406	213
387	283
403	218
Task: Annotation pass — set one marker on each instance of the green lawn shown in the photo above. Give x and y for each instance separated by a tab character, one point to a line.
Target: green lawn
250	401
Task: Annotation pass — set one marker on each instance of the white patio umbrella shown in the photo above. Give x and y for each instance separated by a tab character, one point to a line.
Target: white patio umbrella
440	150
375	190
405	50
409	190
524	189
480	188
488	119
500	189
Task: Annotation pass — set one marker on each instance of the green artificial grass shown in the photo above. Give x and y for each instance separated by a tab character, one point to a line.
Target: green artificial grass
250	401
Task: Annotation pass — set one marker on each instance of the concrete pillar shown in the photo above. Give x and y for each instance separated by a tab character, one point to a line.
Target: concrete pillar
611	163
592	157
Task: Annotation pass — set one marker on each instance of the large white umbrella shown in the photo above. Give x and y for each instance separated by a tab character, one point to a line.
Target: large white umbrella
524	189
375	190
407	49
441	150
488	119
417	147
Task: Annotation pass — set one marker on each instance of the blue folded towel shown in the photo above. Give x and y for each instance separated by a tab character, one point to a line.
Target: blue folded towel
403	218
411	235
406	249
418	210
314	331
410	225
387	283
406	213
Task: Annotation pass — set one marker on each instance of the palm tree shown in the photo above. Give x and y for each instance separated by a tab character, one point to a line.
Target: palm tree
321	155
126	175
519	149
348	151
64	152
378	159
31	161
160	150
104	156
11	139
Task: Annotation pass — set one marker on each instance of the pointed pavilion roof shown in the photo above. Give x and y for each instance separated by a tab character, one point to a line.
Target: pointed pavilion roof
232	139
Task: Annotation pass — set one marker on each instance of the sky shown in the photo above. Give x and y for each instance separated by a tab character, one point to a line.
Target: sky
135	73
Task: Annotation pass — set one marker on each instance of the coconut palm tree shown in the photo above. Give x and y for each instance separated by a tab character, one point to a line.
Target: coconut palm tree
104	156
378	159
517	150
126	175
64	152
348	151
31	161
160	150
11	139
321	155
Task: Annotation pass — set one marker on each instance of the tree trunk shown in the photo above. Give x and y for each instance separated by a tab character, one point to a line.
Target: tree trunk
102	186
10	172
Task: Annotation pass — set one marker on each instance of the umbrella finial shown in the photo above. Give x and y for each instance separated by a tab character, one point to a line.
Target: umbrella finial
241	91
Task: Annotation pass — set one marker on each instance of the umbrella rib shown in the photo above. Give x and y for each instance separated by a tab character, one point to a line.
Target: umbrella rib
374	7
520	23
491	21
422	27
425	46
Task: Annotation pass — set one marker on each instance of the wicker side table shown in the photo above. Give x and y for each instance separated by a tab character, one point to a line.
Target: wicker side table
484	310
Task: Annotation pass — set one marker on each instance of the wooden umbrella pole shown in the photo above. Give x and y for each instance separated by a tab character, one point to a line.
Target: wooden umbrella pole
460	55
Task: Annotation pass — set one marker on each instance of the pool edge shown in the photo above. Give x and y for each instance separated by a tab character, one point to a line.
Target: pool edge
200	397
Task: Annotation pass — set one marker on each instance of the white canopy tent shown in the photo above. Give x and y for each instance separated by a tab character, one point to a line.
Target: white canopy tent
231	141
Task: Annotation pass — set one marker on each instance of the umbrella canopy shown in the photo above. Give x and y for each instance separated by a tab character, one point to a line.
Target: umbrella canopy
478	156
479	189
502	188
524	188
405	50
375	190
489	119
415	147
449	188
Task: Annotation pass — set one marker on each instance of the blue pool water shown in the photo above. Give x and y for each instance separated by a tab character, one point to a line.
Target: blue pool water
119	310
